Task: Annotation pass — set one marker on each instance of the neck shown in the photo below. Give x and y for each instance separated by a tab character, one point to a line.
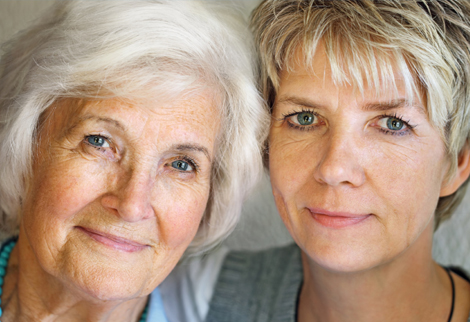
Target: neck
30	293
411	287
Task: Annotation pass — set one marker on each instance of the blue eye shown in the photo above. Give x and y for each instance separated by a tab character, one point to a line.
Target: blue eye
98	141
305	118
181	165
395	124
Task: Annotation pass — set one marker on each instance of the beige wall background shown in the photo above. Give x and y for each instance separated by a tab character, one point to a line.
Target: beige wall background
18	14
260	226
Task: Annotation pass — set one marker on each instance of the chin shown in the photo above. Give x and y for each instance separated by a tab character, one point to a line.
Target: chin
106	280
105	284
110	288
341	258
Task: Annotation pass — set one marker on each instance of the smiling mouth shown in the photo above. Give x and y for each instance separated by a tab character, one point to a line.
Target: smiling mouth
337	219
112	241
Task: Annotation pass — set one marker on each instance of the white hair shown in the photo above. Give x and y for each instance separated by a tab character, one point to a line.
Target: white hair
105	49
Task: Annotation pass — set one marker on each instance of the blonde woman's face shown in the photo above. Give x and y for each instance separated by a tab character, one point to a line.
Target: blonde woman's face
118	192
356	178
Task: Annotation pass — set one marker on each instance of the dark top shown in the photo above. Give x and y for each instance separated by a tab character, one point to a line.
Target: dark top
261	286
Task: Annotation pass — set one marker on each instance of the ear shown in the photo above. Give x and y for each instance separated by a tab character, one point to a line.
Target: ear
462	173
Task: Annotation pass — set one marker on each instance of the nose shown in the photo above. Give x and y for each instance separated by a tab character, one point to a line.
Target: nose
340	163
131	200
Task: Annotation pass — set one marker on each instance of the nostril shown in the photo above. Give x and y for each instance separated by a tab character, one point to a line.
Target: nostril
110	202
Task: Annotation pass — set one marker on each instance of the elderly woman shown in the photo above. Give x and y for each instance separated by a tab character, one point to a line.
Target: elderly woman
368	153
130	130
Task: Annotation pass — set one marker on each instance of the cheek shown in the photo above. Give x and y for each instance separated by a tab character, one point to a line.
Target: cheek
179	219
57	193
404	185
290	167
59	190
409	190
290	161
406	172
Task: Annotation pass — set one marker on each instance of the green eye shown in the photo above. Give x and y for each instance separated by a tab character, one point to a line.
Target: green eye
181	165
395	124
305	118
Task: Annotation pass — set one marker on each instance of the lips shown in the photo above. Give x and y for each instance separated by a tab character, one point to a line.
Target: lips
337	219
113	241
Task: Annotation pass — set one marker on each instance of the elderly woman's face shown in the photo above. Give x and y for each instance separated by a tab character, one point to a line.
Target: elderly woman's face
118	191
356	178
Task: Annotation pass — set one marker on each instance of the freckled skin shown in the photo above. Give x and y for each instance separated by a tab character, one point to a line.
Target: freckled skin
128	189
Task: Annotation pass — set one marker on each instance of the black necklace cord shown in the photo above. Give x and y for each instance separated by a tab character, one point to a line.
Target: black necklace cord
453	294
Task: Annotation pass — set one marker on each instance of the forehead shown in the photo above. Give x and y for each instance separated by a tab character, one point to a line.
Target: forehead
189	115
185	109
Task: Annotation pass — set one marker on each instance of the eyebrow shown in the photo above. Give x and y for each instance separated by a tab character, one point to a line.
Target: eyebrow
192	147
374	106
302	102
393	104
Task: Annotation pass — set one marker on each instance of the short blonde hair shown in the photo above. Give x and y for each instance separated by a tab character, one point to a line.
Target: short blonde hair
428	42
140	48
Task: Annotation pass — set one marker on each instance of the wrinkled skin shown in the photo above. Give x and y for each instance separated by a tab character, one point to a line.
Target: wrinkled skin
117	194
